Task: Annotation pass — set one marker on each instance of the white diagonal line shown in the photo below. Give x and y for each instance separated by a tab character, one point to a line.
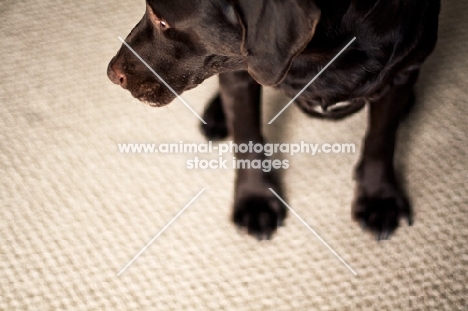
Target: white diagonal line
311	81
160	232
315	233
162	80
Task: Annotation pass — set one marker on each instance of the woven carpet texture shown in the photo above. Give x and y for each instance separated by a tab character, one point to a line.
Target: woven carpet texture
74	210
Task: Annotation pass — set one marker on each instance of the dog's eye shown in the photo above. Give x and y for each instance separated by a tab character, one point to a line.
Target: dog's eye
155	19
162	24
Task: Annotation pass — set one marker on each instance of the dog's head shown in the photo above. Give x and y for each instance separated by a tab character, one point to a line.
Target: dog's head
185	42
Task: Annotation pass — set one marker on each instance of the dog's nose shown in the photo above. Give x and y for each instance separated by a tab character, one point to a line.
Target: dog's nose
116	76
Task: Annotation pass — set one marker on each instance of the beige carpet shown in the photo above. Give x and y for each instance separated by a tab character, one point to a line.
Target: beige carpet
74	211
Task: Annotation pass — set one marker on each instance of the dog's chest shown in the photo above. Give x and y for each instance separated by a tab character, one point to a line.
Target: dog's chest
342	89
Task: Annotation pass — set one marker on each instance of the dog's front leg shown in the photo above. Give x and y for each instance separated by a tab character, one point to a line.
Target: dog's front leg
255	207
380	202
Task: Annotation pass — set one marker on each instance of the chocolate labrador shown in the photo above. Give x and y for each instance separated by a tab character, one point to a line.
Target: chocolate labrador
284	44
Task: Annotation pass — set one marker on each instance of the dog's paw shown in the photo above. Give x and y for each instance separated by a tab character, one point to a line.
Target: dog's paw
381	214
260	215
215	127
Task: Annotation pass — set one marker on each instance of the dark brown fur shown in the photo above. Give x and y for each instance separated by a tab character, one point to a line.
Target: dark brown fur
285	44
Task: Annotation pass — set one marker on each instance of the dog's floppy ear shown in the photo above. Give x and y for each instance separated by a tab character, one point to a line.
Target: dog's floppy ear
275	31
